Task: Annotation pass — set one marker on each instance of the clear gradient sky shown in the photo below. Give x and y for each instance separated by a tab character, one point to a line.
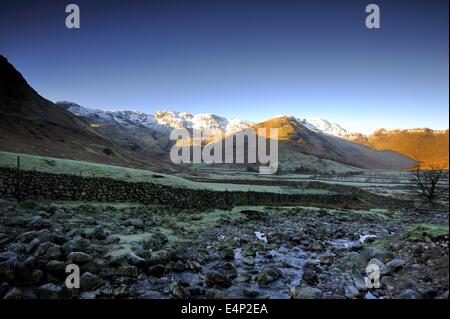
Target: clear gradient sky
252	59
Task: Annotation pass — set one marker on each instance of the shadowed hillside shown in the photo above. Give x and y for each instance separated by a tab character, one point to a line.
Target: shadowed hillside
33	125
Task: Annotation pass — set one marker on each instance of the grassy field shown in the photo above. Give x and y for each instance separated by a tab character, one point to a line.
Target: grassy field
86	169
63	166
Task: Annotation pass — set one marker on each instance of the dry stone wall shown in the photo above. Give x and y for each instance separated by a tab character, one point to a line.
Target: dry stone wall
21	185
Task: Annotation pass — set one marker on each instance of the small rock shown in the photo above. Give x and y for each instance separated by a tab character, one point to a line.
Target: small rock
135	260
55	267
88	295
127	271
6	272
150	294
387	281
31	247
418	250
228	266
243	278
4	256
14	293
4	204
326	259
215	279
395	265
382	267
409	294
90	281
351	292
216	294
268	275
251	293
228	254
357	259
195	290
37	276
79	258
159	257
77	244
135	222
181	292
39	223
316	246
373	252
358	280
49	291
99	233
429	294
49	250
369	296
310	277
157	270
194	265
4	288
249	261
306	292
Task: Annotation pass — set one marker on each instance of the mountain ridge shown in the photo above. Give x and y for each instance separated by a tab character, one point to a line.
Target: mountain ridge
31	124
158	124
35	125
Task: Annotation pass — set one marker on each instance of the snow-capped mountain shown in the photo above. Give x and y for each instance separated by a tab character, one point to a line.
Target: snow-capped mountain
149	134
202	121
161	120
123	117
324	126
164	120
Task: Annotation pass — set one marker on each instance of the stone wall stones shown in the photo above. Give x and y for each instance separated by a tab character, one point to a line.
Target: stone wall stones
21	185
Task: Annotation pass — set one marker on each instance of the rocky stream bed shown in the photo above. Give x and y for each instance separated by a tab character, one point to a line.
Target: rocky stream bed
137	251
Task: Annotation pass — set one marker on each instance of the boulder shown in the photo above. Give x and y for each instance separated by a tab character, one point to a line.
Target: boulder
409	294
395	265
49	250
351	291
215	279
127	271
358	280
157	270
135	260
36	276
181	292
39	223
268	275
228	253
6	272
49	291
90	281
79	258
310	277
381	266
14	293
306	292
99	233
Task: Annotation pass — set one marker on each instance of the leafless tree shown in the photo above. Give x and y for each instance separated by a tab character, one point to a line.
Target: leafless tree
427	181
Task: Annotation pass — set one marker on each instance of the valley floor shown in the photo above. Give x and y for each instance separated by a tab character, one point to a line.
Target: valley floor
132	250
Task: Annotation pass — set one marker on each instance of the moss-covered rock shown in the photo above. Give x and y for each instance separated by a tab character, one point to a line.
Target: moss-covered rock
418	232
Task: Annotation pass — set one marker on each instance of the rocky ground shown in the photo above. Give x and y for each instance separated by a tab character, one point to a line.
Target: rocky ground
135	251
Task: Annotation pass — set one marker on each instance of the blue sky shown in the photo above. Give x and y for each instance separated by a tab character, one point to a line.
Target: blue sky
249	59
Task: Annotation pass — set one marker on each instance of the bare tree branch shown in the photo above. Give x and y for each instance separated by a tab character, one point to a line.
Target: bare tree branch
427	183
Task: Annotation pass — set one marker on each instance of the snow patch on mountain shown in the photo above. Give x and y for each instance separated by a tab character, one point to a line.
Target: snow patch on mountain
324	126
161	120
165	120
